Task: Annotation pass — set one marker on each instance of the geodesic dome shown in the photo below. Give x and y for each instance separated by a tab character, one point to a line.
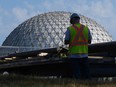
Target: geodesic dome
47	31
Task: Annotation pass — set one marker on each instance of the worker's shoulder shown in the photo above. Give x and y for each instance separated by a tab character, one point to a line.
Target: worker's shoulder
69	27
84	26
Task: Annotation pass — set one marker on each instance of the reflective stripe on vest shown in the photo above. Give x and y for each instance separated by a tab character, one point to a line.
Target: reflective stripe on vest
79	34
79	39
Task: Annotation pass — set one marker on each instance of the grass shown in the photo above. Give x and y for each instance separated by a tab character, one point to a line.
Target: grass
35	81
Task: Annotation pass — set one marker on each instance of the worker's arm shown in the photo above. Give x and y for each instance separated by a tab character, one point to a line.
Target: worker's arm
90	37
67	37
66	42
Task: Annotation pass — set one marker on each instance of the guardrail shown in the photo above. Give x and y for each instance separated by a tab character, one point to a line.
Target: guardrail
6	50
99	49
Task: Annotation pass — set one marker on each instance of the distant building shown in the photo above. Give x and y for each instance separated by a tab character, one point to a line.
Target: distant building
47	31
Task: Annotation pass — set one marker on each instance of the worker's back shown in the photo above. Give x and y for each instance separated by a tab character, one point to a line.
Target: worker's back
78	36
78	43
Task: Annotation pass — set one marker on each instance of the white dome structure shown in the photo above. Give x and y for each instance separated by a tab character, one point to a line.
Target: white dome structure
47	31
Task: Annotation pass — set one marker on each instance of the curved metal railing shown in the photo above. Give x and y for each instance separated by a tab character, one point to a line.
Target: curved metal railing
6	50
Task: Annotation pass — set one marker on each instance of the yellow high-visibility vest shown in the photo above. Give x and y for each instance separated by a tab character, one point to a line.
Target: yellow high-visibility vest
79	39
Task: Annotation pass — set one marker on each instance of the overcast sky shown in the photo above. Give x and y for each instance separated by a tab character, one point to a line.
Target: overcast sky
14	12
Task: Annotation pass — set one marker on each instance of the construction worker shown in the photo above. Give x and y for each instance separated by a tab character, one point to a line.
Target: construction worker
78	37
